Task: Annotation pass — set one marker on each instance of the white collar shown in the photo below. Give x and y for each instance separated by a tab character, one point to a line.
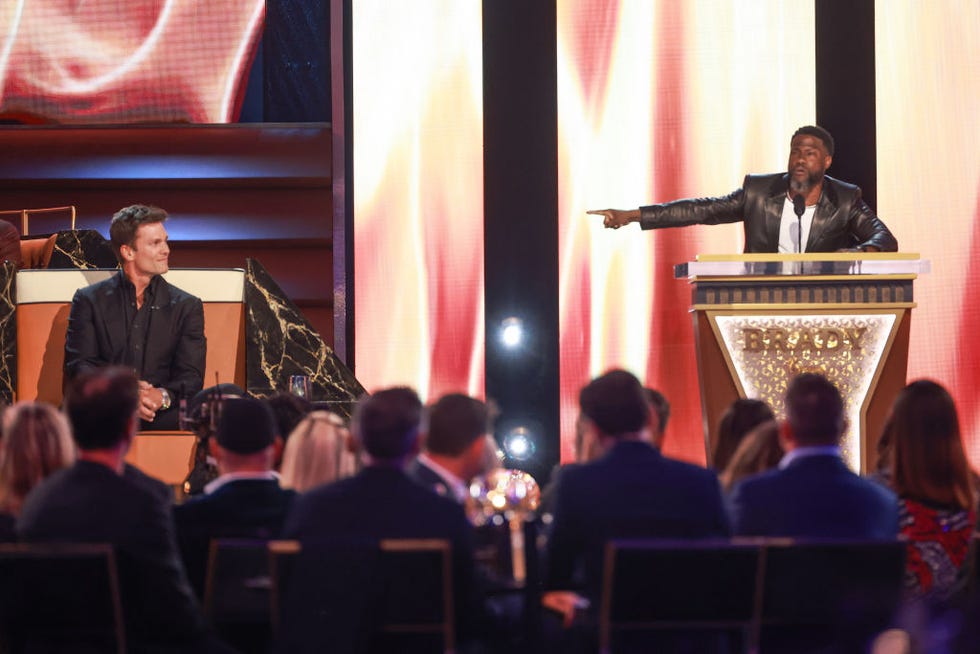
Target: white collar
269	475
811	450
456	485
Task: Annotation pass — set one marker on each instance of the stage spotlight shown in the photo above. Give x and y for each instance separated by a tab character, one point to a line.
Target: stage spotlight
512	332
519	443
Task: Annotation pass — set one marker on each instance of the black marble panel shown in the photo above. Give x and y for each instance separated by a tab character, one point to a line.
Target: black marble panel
280	342
84	248
8	332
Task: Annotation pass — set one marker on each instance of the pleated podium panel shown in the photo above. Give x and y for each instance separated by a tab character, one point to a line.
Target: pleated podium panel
762	319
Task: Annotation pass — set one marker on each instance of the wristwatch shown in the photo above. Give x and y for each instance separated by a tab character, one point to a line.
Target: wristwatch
166	399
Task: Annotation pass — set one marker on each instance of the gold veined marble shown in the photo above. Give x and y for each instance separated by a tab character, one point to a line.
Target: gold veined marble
85	249
765	352
8	332
281	342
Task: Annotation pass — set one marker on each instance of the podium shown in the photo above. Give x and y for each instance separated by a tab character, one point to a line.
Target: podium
762	319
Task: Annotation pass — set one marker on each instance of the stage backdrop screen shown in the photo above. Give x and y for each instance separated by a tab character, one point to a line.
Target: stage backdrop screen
659	100
115	61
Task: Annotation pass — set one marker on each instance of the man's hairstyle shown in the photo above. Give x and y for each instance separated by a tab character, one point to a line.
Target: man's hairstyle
616	403
661	405
820	133
126	222
100	404
455	421
814	410
387	423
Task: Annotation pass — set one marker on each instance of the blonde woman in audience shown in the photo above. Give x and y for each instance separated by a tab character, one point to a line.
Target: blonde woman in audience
758	451
36	442
319	450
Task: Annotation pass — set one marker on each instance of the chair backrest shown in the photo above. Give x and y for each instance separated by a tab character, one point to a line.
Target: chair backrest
60	597
654	586
238	583
416	596
393	595
839	591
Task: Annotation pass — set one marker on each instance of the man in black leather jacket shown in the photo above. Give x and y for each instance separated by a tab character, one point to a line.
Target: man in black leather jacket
830	213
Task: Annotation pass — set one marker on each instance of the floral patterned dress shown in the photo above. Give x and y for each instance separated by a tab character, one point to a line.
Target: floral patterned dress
938	543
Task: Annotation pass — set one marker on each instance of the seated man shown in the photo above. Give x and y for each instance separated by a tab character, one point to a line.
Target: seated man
245	501
381	501
138	320
813	493
630	491
96	501
455	445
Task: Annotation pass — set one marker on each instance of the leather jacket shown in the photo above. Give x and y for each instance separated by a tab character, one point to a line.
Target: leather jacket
842	219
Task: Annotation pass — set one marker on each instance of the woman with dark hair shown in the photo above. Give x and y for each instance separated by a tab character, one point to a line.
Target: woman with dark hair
36	442
925	464
758	452
739	419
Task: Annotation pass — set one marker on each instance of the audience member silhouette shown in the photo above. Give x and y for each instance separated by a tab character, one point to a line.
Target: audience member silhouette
319	451
630	491
454	446
927	467
381	501
759	451
36	443
93	501
738	420
813	494
245	501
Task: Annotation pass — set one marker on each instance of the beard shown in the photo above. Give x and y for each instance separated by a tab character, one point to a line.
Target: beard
803	186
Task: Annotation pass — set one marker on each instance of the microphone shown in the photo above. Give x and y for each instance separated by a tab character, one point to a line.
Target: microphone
799	206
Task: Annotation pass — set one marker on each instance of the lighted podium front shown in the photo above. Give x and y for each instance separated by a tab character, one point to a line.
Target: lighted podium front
762	319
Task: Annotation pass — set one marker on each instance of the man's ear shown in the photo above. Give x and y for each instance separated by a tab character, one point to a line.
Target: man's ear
126	251
827	161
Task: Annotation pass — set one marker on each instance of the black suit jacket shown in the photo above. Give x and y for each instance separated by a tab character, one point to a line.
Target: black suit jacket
385	503
814	497
245	508
429	478
175	344
89	502
842	219
631	492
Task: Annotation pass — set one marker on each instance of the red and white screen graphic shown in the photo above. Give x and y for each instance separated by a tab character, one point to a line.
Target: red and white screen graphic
125	61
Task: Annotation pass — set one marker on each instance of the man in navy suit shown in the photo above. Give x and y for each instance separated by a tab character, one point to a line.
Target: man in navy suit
813	493
630	491
136	319
96	500
245	501
455	446
381	501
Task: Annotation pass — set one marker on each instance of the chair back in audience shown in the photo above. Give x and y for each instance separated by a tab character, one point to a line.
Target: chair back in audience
60	598
837	593
348	595
678	594
237	592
